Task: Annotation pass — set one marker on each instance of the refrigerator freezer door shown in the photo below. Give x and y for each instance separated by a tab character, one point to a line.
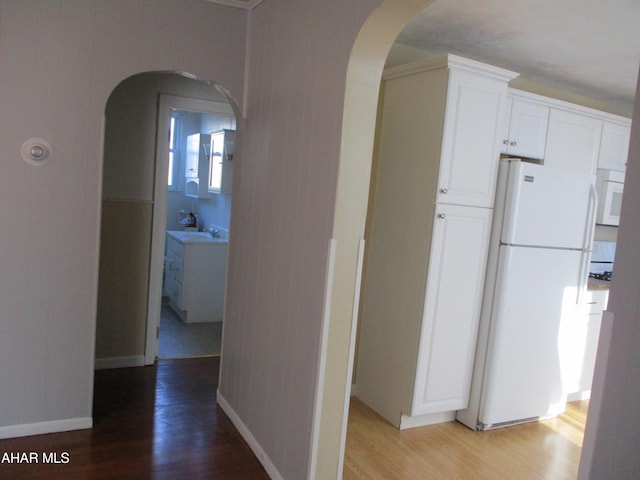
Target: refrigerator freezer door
548	207
535	295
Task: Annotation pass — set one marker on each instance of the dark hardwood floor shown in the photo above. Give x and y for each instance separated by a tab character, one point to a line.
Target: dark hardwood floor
159	422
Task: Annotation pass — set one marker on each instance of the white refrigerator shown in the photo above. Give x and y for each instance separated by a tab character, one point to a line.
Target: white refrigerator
538	269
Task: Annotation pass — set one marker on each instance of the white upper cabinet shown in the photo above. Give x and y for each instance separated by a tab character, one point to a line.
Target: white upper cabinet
573	141
614	146
525	129
221	161
196	169
470	143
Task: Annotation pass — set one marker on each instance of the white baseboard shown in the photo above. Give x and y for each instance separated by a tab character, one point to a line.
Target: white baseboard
424	420
577	396
264	459
39	428
119	362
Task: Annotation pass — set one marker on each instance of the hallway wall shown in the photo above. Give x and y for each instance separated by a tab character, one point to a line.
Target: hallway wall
60	61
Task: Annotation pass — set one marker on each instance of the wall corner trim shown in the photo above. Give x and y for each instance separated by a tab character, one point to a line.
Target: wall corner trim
259	452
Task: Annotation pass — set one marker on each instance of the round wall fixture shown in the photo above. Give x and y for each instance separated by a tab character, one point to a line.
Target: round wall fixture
36	151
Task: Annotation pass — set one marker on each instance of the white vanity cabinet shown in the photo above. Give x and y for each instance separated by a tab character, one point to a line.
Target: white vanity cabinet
195	275
614	146
427	237
525	129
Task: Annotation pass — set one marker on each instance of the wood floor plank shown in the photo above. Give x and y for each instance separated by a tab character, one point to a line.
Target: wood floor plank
159	422
548	449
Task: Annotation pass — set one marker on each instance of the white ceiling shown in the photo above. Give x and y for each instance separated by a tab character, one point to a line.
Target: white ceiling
588	47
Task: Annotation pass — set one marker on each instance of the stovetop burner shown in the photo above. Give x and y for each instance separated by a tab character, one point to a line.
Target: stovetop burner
606	276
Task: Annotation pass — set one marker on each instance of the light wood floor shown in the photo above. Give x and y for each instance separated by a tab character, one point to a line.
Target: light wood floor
548	450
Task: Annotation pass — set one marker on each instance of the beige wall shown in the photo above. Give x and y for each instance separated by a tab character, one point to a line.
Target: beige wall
282	221
610	448
60	61
302	78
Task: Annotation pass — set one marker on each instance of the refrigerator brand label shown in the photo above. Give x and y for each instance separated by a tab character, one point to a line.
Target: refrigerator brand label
528	178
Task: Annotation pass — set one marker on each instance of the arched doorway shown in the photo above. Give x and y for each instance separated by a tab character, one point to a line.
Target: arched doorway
347	247
134	206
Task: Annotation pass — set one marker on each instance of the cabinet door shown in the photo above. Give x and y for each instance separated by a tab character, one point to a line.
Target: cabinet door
455	284
192	158
573	141
527	130
614	146
470	144
221	167
578	342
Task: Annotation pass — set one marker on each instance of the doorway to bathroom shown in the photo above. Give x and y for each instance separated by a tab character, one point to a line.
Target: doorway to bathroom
197	219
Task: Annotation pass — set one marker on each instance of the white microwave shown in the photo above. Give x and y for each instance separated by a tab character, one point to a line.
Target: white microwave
609	185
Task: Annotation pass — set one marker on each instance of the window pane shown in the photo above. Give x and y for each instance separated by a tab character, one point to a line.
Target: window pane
171	132
170	179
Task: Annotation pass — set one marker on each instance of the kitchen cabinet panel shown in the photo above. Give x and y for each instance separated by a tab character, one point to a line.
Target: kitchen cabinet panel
614	146
426	248
449	328
472	121
579	344
525	130
573	141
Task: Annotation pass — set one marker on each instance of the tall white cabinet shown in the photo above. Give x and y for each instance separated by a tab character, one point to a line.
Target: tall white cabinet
427	239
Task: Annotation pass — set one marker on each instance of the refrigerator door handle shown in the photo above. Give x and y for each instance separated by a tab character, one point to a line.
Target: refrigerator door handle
587	243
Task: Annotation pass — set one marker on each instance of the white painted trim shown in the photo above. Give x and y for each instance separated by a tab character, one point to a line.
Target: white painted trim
423	420
257	449
579	396
352	354
247	67
119	362
322	360
449	61
39	428
246	4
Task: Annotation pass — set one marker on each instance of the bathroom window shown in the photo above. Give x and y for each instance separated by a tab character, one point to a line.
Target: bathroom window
172	180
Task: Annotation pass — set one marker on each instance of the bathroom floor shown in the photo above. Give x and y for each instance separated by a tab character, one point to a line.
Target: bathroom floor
180	340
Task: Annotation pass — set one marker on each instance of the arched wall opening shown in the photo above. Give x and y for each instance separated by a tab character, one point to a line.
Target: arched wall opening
347	245
134	205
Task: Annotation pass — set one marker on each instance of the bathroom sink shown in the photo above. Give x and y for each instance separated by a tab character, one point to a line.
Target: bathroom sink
194	237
